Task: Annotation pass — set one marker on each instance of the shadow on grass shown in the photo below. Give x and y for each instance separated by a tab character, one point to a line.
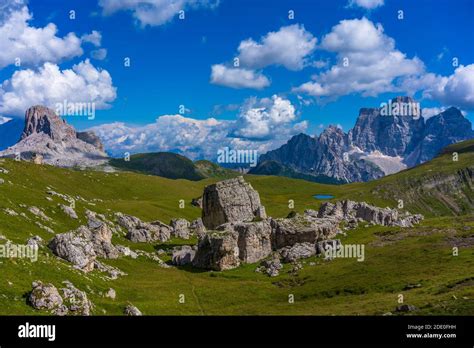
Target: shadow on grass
168	247
191	269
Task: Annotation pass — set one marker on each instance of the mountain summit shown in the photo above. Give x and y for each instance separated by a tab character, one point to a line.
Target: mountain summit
49	136
380	143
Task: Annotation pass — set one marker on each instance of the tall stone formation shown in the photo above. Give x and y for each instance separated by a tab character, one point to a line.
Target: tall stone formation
232	200
46	134
40	119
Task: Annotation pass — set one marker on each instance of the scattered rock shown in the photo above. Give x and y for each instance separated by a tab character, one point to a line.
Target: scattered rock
406	308
126	251
297	251
180	228
39	213
76	300
253	240
112	272
75	247
322	246
352	212
272	267
43	227
131	310
10	212
35	241
111	294
69	211
142	232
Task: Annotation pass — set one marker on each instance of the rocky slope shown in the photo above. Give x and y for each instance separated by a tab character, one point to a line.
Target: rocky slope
377	145
47	136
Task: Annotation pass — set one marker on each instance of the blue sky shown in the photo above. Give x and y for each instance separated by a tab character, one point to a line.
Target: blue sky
171	60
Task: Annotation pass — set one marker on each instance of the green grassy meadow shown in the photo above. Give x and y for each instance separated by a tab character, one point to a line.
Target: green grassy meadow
415	262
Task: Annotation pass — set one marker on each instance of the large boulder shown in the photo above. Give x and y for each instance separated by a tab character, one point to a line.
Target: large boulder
72	302
301	229
233	244
232	200
217	250
75	247
82	246
45	296
143	232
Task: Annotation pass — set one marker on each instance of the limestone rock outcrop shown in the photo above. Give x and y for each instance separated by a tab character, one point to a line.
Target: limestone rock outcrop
232	200
180	228
143	232
82	246
349	210
217	250
302	229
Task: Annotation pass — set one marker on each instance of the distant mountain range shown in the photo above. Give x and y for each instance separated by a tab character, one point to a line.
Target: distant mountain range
378	145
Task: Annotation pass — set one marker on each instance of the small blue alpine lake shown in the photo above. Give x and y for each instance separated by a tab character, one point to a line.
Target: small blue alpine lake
323	196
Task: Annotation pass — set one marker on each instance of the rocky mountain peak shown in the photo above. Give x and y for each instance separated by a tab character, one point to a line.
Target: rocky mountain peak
334	139
40	119
46	135
393	135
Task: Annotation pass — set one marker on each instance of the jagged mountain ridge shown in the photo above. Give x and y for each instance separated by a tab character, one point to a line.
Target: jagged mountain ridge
377	145
47	135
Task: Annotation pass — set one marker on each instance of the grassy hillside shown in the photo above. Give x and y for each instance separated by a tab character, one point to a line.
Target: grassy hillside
172	166
416	262
207	169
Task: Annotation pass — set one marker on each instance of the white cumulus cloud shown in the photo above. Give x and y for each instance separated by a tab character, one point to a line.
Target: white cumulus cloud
262	118
50	85
94	38
154	12
288	47
367	4
237	77
368	62
33	46
456	89
274	118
